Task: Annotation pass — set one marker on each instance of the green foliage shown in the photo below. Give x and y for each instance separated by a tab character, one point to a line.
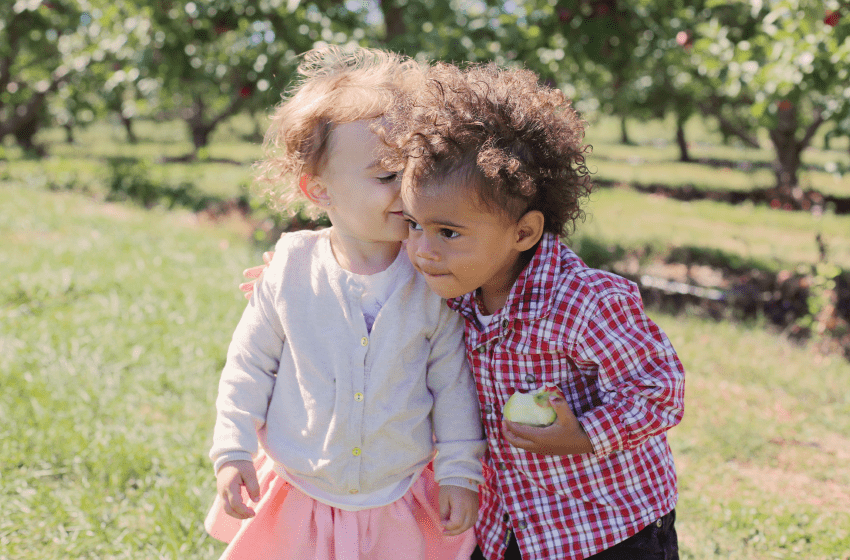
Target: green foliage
131	179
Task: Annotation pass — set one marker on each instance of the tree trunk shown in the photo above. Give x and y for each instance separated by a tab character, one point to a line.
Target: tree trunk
25	137
684	155
200	133
624	132
788	148
201	125
393	20
128	126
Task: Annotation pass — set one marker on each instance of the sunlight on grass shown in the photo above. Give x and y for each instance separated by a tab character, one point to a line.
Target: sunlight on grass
780	240
115	322
758	449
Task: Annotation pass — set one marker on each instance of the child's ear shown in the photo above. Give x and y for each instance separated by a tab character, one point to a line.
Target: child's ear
314	190
529	230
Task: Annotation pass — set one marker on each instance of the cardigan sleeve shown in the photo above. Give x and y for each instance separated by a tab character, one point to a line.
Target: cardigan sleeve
248	378
458	432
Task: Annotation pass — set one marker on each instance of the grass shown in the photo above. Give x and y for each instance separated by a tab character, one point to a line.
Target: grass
114	325
114	322
775	240
654	159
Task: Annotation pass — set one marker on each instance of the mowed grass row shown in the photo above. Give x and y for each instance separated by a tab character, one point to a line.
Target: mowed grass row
625	220
653	159
114	323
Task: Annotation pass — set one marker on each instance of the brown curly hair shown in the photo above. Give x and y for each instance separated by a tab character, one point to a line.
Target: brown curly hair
517	143
334	87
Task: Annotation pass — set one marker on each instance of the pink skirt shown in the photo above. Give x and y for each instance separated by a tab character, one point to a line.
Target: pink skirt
289	525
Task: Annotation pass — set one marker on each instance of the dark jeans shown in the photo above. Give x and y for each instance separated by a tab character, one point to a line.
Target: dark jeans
657	541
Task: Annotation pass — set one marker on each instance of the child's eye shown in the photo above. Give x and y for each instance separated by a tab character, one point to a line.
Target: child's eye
449	233
413	225
384	179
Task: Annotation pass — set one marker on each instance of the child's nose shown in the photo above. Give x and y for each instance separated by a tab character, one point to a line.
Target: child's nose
425	249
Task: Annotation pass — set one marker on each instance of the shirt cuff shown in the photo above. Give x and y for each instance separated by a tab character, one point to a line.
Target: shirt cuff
602	429
231	456
467	483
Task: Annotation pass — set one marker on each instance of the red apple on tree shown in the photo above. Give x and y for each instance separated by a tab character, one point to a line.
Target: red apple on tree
832	18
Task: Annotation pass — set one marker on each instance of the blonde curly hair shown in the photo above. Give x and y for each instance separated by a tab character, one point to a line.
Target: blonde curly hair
518	144
334	87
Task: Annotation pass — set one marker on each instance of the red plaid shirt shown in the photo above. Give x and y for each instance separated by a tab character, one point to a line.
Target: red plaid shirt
586	331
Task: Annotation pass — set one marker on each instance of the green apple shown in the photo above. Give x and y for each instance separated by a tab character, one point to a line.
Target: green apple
532	408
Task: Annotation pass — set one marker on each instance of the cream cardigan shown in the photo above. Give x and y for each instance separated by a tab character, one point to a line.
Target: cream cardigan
347	410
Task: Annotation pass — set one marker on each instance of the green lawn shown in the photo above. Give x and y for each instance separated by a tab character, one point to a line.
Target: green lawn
115	321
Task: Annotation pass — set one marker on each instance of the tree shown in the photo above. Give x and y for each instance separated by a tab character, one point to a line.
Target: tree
217	58
41	45
788	65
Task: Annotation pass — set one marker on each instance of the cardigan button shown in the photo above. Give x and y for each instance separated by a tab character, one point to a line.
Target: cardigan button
529	378
358	397
522	525
356	451
364	341
504	323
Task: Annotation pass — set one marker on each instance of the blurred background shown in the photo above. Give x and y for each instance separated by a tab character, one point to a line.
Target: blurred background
128	129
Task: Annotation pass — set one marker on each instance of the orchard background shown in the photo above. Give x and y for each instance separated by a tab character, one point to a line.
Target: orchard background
721	152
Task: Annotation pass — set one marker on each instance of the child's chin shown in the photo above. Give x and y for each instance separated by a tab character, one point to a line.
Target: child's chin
443	291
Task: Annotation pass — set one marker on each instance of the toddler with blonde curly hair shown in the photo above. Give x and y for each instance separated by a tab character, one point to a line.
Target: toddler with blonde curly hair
347	424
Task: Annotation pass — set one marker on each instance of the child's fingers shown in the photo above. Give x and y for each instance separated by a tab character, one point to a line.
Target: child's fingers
252	485
458	522
267	256
233	504
517	434
254	271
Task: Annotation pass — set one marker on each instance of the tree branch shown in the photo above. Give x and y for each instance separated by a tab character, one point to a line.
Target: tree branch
810	131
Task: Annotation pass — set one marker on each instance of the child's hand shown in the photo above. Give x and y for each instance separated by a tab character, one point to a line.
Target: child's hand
564	437
232	476
458	509
254	274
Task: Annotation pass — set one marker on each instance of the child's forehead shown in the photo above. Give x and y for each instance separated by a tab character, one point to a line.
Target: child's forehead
445	197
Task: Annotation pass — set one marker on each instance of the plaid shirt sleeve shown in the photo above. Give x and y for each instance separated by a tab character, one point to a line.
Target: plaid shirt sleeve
641	380
584	330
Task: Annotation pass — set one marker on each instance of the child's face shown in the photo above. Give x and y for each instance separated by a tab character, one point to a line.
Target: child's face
365	202
457	244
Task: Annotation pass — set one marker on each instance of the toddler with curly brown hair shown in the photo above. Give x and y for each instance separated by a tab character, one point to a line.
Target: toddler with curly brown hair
494	175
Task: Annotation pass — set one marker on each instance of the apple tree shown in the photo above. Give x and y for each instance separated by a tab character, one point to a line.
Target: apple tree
788	70
42	45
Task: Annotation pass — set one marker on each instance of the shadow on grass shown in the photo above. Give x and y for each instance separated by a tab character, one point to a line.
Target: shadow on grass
130	179
805	304
777	198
